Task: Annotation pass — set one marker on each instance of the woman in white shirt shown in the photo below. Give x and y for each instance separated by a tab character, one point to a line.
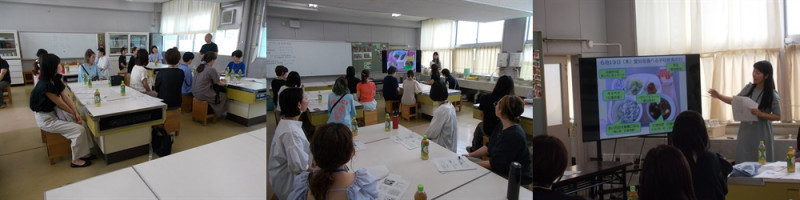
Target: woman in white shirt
139	78
102	61
443	128
410	89
290	151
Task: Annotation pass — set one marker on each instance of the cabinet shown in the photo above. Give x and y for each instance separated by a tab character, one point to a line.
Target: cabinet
15	69
9	44
116	41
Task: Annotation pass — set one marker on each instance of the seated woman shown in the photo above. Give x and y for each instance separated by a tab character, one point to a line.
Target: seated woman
140	81
290	152
665	175
709	170
410	89
155	55
292	81
507	143
89	69
443	128
436	79
55	113
332	147
366	92
503	87
341	108
205	81
169	82
391	87
549	163
39	54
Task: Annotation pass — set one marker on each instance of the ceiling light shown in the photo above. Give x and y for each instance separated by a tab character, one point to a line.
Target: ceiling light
395	14
291	5
311	5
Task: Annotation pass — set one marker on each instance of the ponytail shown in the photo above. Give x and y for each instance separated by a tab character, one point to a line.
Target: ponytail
208	57
320	183
364	76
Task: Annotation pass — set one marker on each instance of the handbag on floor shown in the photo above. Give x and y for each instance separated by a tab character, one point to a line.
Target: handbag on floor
161	142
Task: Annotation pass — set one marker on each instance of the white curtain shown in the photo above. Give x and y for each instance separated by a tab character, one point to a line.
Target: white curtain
486	60
463	59
793	62
188	17
436	35
694	26
730	35
526	72
445	56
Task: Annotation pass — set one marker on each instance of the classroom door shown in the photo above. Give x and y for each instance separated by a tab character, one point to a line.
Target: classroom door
556	99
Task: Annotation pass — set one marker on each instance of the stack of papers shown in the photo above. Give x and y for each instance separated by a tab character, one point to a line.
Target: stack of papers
392	187
453	164
408	140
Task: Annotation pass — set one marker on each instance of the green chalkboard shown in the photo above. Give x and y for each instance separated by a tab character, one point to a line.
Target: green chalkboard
367	55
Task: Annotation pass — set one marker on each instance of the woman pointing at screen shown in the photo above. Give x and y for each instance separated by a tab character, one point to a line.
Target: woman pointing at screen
762	91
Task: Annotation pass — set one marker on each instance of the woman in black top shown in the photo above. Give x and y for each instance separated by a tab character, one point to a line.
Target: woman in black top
278	82
132	61
391	86
507	144
122	64
709	170
55	113
170	81
550	161
665	175
451	80
504	86
351	79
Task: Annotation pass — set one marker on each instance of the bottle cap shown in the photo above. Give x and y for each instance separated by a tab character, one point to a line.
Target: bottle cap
633	188
420	188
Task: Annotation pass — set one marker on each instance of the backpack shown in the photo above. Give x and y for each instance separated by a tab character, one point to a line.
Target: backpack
161	142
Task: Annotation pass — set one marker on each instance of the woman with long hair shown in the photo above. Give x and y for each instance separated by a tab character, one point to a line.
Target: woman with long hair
341	108
503	87
204	83
709	170
366	92
665	175
762	91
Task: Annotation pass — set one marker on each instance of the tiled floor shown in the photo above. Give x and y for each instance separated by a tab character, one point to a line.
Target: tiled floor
466	126
25	172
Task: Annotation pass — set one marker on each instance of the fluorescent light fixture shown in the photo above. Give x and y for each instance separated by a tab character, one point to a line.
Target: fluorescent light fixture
311	5
395	14
292	5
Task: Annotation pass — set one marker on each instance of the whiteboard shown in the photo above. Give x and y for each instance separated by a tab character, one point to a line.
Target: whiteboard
309	58
64	45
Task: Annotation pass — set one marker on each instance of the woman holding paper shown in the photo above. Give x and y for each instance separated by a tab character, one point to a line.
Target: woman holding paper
763	92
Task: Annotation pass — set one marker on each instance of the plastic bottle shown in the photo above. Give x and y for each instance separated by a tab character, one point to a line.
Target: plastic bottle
122	88
97	97
355	127
109	82
762	153
632	194
89	82
424	147
388	123
420	195
319	97
790	160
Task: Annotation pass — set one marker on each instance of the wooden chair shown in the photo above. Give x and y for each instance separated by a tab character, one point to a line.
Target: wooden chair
127	80
173	121
409	111
391	105
186	103
200	111
27	77
7	95
57	146
370	117
457	105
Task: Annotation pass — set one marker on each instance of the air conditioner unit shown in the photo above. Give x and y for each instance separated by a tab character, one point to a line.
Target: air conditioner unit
228	17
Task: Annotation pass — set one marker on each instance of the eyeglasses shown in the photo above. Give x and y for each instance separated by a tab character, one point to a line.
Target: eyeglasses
495	103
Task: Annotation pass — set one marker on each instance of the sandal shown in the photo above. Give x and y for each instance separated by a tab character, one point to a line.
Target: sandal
91	157
86	164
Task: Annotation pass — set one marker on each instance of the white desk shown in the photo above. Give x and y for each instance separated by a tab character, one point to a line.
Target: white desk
427	105
121	126
376	132
407	163
249	105
72	75
488	187
232	168
124	183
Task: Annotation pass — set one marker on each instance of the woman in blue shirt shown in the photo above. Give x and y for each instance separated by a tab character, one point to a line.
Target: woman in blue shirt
186	89
236	65
89	69
155	55
341	108
332	147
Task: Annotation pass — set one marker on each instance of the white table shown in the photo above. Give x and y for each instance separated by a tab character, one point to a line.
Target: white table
488	187
407	163
249	101
121	126
124	183
427	105
376	132
72	75
232	168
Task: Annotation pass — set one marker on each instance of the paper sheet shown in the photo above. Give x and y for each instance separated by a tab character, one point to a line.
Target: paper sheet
408	140
392	187
741	109
359	145
453	164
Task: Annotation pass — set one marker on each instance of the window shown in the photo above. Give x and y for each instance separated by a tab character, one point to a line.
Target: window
185	42
200	40
792	18
526	71
170	41
227	41
262	44
467	32
490	32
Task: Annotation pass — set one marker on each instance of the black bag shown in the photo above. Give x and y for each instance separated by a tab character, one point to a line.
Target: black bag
116	80
161	142
217	90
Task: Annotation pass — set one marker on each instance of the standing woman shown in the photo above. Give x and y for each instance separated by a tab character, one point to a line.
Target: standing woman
436	60
763	92
102	61
351	79
55	113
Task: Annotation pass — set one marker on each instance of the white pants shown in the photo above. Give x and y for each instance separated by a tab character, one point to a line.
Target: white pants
50	122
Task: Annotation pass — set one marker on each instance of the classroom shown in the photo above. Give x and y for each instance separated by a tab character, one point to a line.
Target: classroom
666	99
378	99
133	99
